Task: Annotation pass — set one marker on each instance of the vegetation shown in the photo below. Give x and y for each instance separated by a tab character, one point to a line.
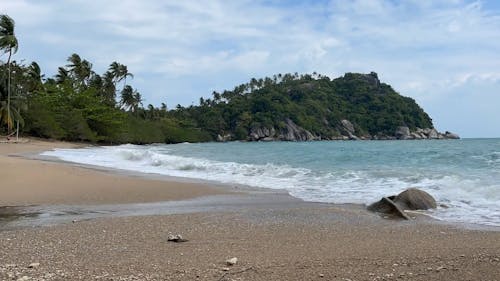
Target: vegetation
314	102
8	44
78	104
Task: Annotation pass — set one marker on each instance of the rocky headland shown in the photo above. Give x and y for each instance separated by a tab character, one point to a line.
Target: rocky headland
305	108
347	131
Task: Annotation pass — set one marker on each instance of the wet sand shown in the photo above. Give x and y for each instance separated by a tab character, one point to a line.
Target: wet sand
278	239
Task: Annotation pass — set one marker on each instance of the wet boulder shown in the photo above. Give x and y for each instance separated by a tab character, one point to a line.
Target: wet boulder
410	199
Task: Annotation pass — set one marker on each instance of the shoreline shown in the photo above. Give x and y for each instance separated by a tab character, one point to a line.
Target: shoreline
28	181
273	235
207	189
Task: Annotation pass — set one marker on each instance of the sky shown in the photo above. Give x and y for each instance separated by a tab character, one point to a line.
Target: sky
444	54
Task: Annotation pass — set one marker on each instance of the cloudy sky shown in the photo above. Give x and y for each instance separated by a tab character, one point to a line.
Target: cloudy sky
444	54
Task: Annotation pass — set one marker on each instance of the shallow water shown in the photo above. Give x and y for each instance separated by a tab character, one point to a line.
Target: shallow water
462	174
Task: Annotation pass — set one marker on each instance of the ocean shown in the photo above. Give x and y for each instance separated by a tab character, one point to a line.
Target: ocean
463	175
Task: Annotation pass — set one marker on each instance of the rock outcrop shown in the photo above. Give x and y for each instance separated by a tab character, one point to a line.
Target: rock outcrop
450	135
293	132
410	199
404	133
290	132
224	137
346	130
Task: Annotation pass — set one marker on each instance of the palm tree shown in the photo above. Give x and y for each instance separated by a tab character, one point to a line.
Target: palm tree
10	109
109	88
8	44
81	70
62	75
119	72
114	71
35	76
137	100
130	99
127	97
124	73
34	72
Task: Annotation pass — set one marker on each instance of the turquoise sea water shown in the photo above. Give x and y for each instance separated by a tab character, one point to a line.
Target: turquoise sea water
462	174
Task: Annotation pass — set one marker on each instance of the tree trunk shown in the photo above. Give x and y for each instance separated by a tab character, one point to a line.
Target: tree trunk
8	95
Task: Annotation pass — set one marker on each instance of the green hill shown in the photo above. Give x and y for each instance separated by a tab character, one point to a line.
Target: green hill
311	107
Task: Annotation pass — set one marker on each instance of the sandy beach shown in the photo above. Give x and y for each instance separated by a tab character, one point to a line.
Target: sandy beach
30	182
285	240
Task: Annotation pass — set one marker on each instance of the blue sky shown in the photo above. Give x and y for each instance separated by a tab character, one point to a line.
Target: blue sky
444	54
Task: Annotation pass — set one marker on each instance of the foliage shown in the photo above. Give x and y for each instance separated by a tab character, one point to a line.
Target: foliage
314	102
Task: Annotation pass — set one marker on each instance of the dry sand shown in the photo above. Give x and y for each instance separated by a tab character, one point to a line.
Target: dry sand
299	242
30	182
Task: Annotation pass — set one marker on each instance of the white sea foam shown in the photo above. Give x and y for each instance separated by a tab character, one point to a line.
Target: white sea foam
470	200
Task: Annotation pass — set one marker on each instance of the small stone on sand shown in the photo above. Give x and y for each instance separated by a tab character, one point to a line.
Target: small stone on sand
232	261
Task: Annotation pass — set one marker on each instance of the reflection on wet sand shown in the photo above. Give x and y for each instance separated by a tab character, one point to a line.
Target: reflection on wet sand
43	215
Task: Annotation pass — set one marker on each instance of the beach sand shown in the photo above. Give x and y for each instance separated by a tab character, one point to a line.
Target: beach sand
297	241
30	182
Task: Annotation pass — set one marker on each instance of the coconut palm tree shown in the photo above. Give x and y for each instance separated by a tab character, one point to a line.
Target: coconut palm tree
130	99
35	76
10	109
62	75
124	74
119	72
8	44
137	100
109	88
81	70
114	71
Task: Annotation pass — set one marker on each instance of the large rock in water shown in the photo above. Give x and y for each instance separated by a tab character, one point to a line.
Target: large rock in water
450	135
410	199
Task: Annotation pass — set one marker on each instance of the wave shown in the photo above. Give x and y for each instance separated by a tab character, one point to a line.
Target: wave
469	199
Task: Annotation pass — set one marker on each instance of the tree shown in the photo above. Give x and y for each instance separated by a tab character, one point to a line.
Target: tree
130	98
124	73
62	75
114	72
8	44
119	72
35	78
109	89
81	70
10	110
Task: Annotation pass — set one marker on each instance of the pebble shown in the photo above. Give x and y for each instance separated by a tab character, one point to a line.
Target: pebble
225	269
34	265
176	238
321	275
232	261
440	268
